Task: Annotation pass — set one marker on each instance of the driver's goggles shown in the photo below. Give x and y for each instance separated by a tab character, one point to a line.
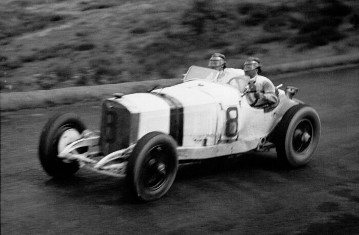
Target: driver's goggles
250	66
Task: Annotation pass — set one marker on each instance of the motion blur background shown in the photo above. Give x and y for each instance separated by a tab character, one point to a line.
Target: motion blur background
46	44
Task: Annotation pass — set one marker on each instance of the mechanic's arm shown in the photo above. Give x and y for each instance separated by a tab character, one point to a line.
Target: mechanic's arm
268	95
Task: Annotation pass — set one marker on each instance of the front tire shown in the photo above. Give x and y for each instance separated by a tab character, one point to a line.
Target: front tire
59	131
297	135
152	166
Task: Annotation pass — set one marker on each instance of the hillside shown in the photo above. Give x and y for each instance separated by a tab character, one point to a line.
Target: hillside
48	44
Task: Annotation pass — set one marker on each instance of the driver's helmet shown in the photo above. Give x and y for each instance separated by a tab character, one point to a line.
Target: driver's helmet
252	63
217	61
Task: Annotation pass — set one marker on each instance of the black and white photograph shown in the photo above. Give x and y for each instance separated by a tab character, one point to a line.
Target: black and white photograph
179	117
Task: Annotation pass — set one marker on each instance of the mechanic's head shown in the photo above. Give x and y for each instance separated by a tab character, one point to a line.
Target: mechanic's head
252	66
217	61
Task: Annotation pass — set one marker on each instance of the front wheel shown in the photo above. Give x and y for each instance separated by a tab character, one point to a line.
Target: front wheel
59	131
152	166
297	135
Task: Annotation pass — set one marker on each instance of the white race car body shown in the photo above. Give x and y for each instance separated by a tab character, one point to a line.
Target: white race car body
198	114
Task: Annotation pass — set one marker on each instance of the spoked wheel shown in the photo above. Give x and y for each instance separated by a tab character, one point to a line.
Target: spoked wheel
152	166
297	135
59	131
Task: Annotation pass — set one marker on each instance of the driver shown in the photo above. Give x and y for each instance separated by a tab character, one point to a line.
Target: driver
227	75
260	90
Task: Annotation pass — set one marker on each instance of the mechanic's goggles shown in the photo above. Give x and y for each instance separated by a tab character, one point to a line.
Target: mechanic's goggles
215	63
250	65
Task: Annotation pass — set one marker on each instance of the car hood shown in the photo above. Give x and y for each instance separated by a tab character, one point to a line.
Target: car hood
199	92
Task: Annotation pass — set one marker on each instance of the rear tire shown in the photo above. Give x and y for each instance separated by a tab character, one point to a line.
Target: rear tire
59	131
297	135
152	166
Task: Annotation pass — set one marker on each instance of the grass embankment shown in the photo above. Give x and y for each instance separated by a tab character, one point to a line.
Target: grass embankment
49	44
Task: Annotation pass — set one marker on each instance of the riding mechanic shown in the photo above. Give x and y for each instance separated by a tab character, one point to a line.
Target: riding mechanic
260	91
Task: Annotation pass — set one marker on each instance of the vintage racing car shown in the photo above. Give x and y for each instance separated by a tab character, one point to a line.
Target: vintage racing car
145	136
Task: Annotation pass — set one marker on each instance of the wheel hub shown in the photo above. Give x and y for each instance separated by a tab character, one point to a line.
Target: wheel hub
67	137
302	136
306	137
156	172
161	168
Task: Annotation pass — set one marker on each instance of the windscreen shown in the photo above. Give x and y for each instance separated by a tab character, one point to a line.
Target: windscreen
196	73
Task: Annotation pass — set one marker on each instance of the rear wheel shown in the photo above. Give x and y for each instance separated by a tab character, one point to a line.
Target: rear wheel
297	135
152	166
59	131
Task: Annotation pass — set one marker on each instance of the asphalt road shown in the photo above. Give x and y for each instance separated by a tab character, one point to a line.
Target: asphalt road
250	194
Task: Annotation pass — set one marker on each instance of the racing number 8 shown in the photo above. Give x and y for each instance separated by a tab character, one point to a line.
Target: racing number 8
232	121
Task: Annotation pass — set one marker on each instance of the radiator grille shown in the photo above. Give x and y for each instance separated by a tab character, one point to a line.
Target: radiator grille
119	127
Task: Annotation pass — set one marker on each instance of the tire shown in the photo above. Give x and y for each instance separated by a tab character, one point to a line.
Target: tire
297	135
59	131
152	166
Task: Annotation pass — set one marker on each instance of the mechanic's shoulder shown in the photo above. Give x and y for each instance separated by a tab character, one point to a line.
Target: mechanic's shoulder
263	78
265	81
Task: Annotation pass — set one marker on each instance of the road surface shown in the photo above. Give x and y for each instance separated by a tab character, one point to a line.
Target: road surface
251	194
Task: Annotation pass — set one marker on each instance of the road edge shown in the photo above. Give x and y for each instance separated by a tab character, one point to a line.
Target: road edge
45	98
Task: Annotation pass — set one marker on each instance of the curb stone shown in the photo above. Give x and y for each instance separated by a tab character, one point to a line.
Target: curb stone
44	98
